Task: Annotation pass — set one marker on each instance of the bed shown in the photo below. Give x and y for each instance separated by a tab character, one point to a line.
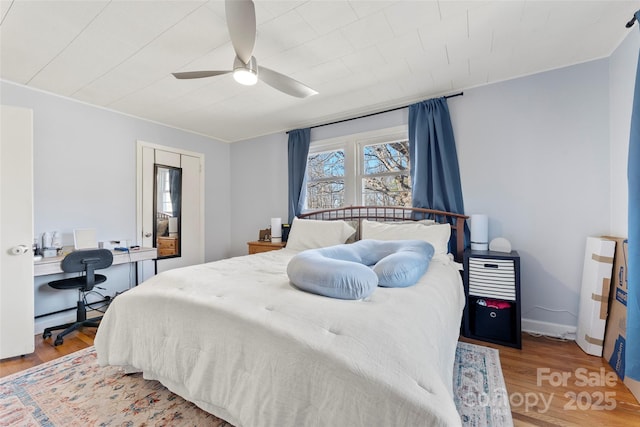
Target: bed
236	338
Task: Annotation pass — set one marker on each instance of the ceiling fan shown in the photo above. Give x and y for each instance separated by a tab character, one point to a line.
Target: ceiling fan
241	20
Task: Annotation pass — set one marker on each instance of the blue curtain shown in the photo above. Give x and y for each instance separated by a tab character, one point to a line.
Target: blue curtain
435	174
632	351
299	141
175	189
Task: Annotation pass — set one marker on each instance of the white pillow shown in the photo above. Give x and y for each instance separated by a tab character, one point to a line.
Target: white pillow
436	234
311	234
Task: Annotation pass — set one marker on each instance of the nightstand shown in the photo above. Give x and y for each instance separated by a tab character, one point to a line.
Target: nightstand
167	246
492	276
264	246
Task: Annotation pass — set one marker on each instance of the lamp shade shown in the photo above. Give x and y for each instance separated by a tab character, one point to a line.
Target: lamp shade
173	224
276	230
479	232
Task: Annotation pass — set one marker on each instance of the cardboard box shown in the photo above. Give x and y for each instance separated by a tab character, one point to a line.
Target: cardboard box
616	331
594	294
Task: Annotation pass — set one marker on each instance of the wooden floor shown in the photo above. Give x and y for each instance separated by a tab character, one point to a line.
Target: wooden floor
544	381
554	383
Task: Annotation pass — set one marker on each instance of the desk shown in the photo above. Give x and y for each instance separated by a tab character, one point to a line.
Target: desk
52	265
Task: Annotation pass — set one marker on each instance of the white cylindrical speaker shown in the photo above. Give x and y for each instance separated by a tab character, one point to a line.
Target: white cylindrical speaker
479	232
276	230
173	225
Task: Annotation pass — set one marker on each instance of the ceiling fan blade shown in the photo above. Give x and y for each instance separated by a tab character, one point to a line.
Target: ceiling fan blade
284	83
241	21
198	74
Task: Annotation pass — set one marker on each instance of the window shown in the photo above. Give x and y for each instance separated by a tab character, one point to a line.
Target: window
167	205
364	169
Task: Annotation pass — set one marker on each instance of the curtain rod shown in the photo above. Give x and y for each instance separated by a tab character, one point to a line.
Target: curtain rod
373	114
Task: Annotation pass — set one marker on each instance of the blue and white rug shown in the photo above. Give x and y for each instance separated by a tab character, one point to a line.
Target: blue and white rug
478	387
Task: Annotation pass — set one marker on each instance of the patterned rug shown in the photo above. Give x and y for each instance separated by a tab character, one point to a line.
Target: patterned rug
74	391
478	387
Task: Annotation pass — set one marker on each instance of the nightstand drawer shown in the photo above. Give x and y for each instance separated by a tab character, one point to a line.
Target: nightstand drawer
493	278
264	246
167	244
492	322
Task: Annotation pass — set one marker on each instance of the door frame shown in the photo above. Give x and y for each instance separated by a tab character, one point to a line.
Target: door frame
140	145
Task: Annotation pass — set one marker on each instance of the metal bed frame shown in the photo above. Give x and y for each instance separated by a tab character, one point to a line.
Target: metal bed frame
395	213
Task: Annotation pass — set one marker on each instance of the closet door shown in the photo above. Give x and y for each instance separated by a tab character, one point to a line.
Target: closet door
16	232
192	232
191	228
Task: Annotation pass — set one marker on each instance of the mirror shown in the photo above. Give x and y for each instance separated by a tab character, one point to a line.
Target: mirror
167	206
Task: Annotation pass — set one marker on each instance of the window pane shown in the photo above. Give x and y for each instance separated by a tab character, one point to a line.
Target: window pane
394	190
325	194
325	165
387	157
325	182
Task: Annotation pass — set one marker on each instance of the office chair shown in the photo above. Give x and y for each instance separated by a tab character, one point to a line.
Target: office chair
85	261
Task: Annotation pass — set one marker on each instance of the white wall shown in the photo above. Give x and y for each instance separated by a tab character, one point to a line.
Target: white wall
85	177
534	156
258	188
622	75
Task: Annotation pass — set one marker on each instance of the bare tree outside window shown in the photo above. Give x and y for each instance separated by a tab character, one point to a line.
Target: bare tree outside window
385	177
325	180
383	180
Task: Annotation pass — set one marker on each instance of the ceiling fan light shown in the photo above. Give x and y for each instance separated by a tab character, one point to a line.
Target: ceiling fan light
245	77
245	74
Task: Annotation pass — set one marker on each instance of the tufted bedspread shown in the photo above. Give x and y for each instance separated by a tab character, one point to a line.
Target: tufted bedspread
238	340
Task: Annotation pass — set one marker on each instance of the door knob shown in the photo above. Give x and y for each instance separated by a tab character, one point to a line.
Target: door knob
19	250
147	234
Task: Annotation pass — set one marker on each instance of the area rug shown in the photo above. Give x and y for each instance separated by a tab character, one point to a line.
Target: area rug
478	387
74	391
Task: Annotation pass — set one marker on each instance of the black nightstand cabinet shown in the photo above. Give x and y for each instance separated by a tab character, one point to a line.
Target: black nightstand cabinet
495	276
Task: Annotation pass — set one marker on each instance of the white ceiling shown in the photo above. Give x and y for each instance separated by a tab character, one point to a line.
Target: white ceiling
361	56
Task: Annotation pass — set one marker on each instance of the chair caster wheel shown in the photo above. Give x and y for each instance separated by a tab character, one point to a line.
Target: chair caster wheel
46	335
58	341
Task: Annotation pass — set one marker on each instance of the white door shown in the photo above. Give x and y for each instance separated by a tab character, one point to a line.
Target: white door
16	232
192	207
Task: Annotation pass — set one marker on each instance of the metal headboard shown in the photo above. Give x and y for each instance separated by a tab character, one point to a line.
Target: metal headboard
395	213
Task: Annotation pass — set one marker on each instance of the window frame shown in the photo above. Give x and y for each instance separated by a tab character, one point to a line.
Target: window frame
353	147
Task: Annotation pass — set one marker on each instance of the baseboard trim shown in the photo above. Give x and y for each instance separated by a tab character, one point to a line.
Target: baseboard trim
556	330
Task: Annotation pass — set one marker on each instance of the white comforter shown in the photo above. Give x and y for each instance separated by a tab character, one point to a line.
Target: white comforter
237	339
